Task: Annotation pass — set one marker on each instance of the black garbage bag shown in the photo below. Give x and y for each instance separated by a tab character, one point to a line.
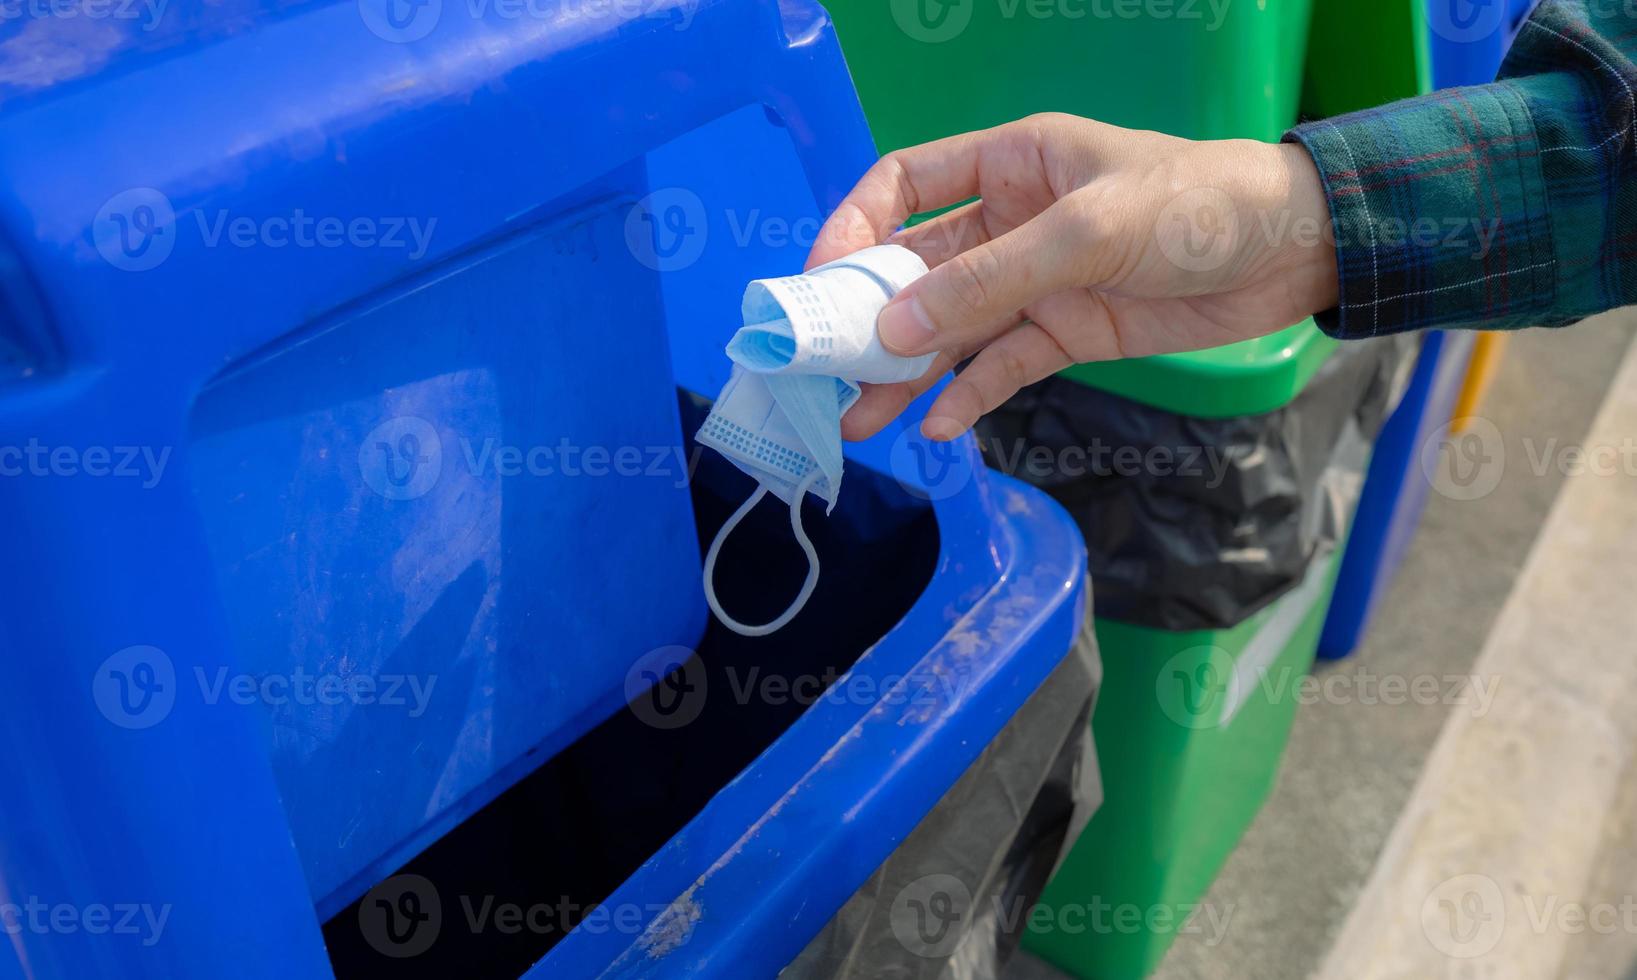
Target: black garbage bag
952	901
1196	524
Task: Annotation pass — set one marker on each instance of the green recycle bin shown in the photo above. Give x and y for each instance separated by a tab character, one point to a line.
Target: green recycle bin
1213	551
1193	722
1189	743
1189	731
1246	378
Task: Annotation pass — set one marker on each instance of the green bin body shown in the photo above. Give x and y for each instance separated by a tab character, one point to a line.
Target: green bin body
1365	53
1204	69
1189	733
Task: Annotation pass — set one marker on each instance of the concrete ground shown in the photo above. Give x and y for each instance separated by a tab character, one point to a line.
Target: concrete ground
1351	765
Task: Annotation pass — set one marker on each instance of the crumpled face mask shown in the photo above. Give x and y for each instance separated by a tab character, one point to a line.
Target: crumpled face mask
807	343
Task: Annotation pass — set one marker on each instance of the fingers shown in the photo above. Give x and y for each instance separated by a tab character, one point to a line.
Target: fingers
946	236
1021	357
961	302
880	404
848	229
902	183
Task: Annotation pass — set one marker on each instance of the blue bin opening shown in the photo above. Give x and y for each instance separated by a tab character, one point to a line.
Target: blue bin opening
569	833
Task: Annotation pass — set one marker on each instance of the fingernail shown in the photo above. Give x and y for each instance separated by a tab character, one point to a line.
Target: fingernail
905	327
941	429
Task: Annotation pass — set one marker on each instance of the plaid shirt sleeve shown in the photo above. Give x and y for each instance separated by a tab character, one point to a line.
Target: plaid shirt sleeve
1498	206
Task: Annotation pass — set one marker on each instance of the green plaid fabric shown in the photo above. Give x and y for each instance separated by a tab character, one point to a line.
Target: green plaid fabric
1498	206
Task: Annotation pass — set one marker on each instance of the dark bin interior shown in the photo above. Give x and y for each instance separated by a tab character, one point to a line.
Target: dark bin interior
570	832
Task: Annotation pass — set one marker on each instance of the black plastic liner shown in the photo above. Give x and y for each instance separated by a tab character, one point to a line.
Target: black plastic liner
953	899
1196	524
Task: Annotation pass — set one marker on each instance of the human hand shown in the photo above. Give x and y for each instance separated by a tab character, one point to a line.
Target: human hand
1088	243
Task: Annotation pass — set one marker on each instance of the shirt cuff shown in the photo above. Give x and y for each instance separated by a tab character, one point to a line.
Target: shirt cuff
1439	213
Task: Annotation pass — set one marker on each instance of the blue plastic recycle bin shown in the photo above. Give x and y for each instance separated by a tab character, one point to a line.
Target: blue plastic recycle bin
1394	492
1470	38
283	285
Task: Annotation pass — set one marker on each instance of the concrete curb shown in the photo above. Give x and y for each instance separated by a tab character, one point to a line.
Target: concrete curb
1488	870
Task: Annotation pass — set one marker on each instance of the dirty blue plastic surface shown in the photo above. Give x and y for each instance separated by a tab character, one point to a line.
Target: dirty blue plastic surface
1470	38
750	879
1395	491
314	489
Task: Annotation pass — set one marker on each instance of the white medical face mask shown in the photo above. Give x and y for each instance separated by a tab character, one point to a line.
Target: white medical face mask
806	344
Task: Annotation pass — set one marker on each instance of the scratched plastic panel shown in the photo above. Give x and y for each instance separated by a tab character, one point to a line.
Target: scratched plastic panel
445	528
43	52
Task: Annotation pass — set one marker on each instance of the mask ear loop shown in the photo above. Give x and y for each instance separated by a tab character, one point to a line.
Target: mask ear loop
801	538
